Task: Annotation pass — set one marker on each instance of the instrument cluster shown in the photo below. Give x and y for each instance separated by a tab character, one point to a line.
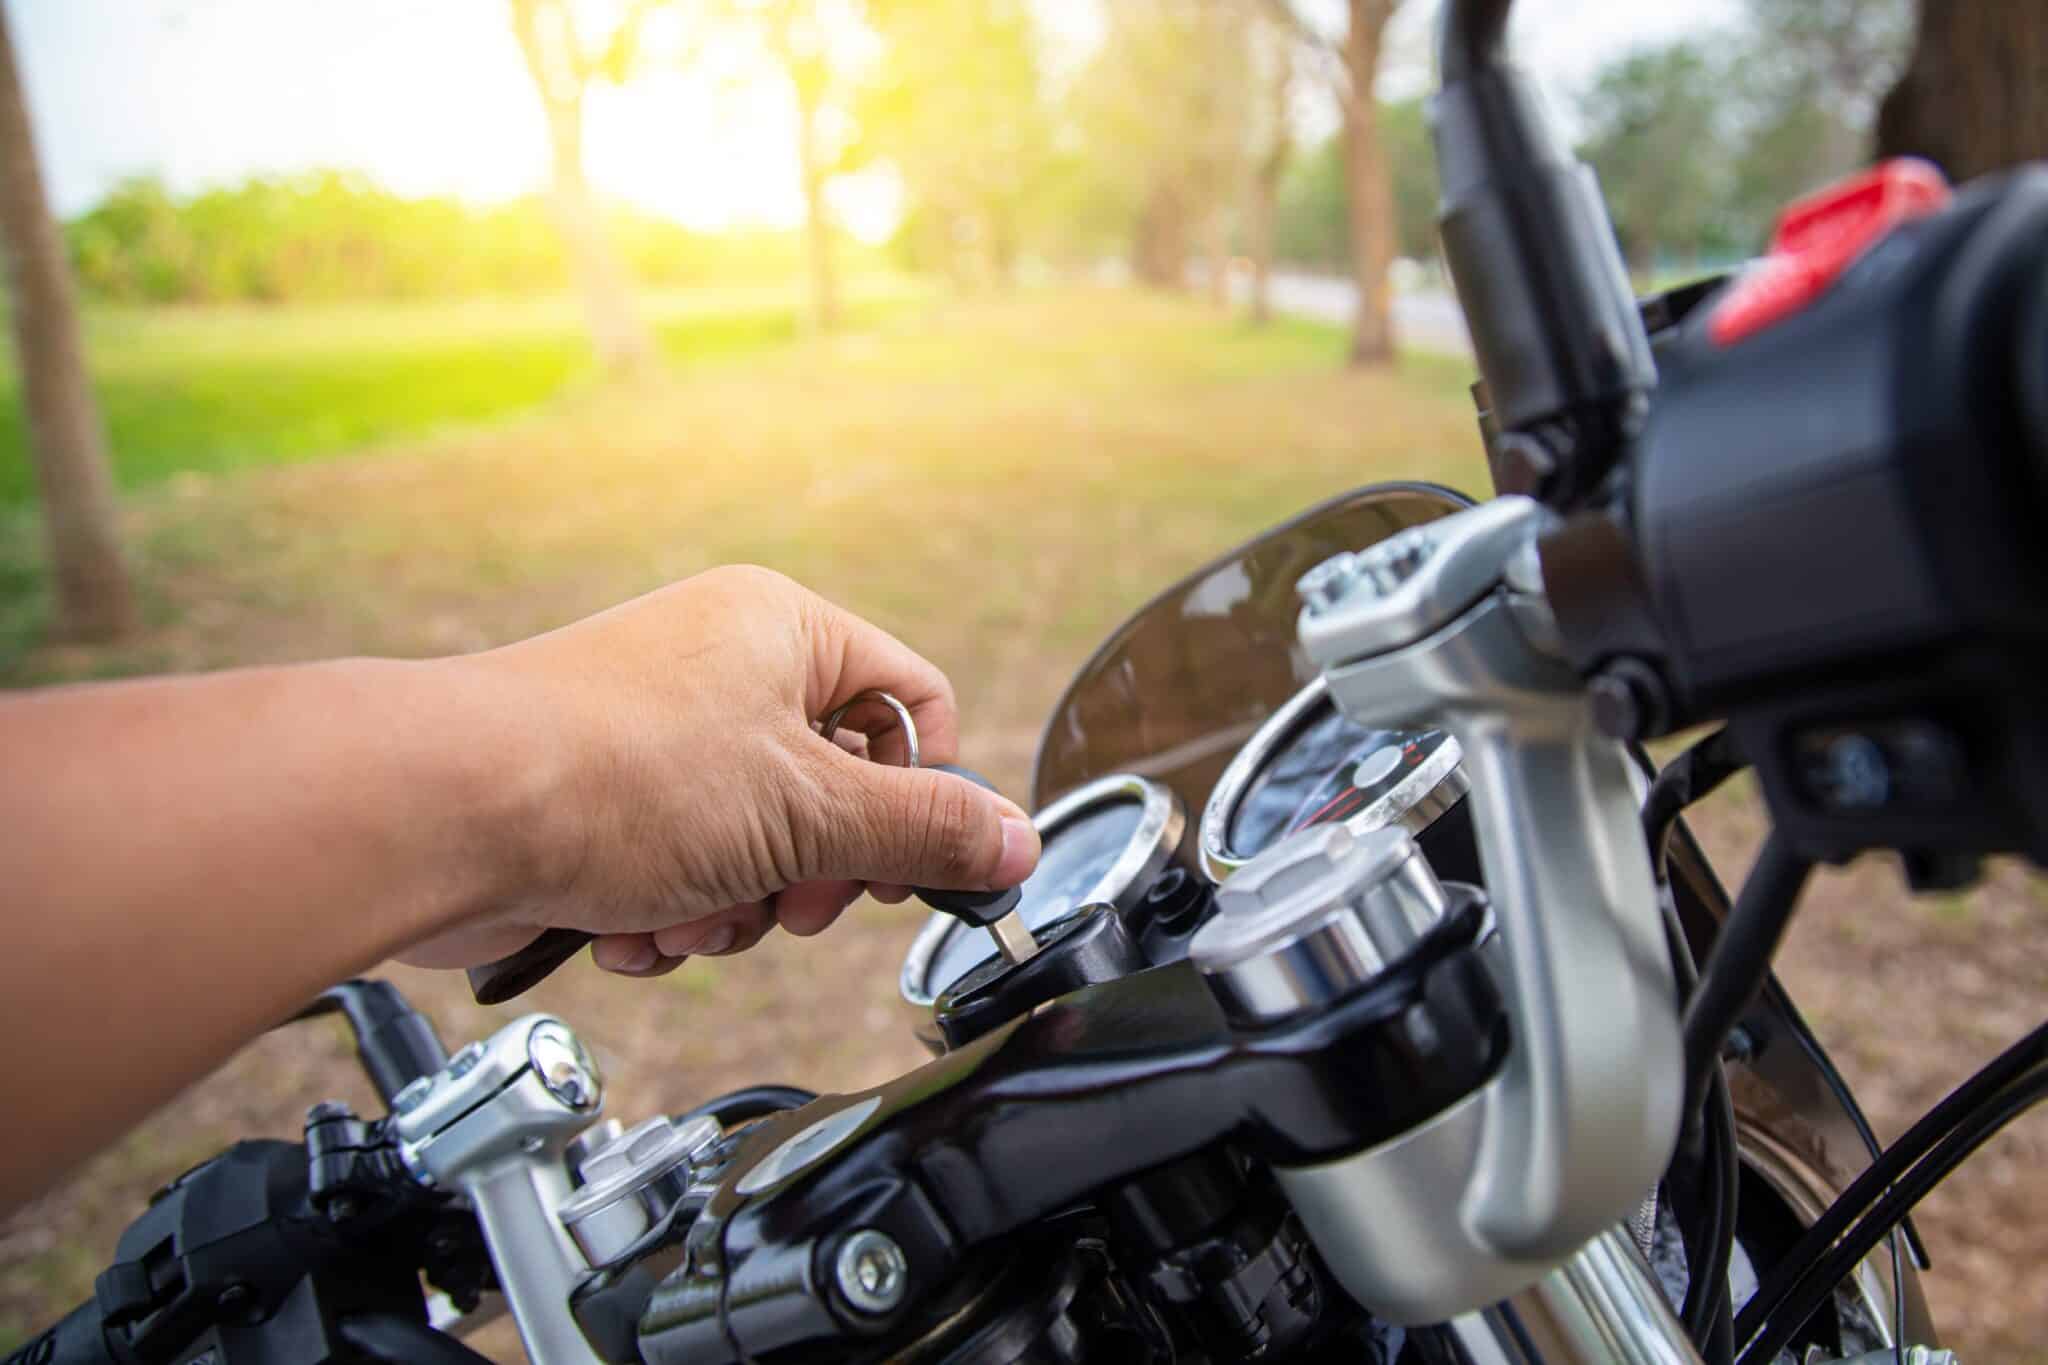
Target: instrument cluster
1123	840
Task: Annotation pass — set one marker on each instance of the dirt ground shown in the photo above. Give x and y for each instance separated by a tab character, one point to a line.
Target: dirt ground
1103	481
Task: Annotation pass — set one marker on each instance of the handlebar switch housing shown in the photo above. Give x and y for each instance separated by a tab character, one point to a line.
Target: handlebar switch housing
1831	533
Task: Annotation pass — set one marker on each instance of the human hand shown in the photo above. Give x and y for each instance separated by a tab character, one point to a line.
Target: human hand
679	799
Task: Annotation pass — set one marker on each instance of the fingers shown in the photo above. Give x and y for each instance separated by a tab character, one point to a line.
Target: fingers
912	826
732	930
849	656
632	955
810	907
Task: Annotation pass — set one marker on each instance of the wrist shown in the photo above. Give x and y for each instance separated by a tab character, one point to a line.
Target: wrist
492	771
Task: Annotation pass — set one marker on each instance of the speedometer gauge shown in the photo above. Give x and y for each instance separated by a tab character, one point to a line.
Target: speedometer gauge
1309	765
1104	843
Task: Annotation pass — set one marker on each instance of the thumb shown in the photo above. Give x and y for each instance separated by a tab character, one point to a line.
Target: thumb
921	827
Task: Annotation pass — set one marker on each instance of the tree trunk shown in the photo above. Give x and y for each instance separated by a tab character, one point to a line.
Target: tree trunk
1263	210
621	339
1002	244
1259	242
1159	255
1368	186
1974	97
1216	240
824	308
95	600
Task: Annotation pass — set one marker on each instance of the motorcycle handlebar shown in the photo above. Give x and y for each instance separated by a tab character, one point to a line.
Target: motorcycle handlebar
80	1339
1537	270
1472	37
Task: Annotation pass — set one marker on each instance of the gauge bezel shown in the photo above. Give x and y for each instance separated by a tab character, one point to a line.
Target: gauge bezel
1441	779
1162	821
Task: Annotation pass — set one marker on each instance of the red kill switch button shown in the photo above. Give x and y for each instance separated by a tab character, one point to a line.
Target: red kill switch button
1819	236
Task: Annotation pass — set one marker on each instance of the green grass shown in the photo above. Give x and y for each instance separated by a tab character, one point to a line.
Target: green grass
911	438
211	390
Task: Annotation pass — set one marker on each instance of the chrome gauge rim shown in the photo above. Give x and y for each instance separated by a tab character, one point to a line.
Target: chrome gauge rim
1161	822
1414	803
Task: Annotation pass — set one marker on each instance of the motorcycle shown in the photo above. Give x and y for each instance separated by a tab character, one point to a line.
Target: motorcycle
1371	1000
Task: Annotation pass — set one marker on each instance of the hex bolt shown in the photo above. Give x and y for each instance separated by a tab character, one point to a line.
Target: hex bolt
1392	562
871	1271
1324	586
416	1090
1629	701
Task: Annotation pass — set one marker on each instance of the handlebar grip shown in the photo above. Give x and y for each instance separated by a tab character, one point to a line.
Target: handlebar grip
516	973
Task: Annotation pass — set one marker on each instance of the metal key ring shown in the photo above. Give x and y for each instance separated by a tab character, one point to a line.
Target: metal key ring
903	720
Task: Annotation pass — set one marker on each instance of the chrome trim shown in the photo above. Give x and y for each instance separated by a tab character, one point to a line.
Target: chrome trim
1161	822
1584	1114
494	1125
631	1182
1441	780
1313	918
1601	1307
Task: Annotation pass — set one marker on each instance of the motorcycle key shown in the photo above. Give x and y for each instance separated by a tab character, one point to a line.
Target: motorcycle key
995	911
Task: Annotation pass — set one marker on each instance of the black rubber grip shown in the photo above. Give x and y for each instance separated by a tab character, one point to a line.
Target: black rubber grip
517	973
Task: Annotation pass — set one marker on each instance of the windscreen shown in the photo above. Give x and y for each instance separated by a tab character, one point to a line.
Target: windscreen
1177	688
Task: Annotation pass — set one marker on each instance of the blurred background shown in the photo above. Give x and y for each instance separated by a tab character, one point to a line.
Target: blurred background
408	329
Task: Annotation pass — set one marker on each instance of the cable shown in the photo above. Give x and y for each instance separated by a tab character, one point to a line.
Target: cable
1781	1320
1740	960
1687	779
1839	1088
752	1102
1707	1157
1684	781
1966	1099
1706	1312
1906	1232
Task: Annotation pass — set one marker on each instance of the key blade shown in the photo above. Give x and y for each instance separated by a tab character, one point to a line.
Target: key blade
1014	938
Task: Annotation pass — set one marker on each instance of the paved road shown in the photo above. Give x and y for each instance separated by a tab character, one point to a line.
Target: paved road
1429	320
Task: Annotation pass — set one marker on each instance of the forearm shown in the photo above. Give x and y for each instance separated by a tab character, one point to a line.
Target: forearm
187	861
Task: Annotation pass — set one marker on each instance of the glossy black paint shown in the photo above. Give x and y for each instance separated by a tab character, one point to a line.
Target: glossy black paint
1050	1108
1084	949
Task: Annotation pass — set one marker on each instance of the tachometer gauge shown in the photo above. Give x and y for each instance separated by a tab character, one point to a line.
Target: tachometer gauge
1308	765
1103	843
